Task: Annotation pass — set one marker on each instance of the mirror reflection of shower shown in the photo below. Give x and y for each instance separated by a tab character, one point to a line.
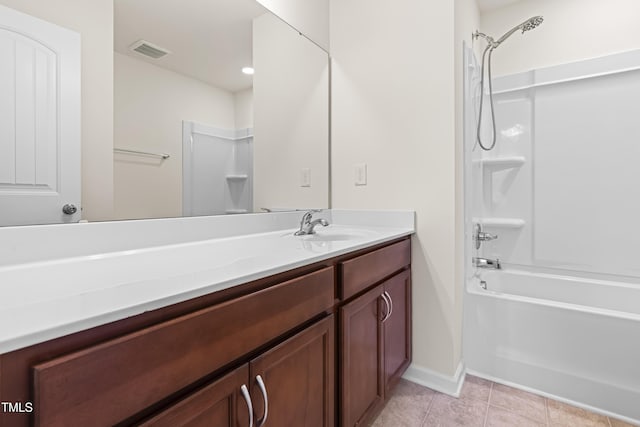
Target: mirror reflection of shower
527	25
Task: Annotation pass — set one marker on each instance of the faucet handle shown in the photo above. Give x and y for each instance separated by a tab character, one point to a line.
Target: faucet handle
486	237
306	218
480	236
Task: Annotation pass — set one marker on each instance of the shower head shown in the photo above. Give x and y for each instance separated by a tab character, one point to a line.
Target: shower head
527	25
531	23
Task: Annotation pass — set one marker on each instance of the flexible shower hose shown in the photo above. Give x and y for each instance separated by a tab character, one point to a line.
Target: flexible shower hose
489	49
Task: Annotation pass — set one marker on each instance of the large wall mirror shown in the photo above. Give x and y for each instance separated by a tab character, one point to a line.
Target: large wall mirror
193	133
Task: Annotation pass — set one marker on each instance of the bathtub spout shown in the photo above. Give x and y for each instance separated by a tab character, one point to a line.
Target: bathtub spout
487	263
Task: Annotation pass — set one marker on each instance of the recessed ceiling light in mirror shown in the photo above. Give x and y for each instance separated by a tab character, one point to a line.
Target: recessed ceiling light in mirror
248	70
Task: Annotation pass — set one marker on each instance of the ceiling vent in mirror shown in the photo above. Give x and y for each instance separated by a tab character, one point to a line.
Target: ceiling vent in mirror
149	49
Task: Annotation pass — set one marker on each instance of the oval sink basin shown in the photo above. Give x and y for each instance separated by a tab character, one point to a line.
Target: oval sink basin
336	235
330	237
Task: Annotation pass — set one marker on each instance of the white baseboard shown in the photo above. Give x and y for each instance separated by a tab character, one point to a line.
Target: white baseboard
435	380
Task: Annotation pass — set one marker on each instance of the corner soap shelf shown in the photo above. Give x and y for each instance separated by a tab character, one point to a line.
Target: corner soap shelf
502	162
500	222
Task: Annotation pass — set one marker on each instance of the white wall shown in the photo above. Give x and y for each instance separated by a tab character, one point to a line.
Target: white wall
94	21
311	17
244	108
393	108
150	104
291	117
572	30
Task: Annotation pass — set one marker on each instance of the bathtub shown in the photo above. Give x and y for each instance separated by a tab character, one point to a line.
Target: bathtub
570	338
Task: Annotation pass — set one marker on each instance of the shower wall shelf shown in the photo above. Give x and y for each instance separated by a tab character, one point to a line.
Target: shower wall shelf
237	177
236	211
502	162
500	222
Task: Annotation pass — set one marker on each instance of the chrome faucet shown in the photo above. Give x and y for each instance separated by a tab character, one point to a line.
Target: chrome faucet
487	263
307	226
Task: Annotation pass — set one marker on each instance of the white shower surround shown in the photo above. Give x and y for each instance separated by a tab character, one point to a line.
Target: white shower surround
217	170
560	190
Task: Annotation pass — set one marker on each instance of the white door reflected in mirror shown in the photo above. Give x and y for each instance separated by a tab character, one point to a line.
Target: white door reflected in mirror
39	121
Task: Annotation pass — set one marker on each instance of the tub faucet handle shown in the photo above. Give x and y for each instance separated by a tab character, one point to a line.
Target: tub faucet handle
480	236
486	237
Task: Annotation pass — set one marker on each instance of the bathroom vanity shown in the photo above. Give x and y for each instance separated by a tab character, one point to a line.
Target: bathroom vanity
318	344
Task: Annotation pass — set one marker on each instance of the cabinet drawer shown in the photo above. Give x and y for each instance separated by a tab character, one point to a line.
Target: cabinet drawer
109	382
361	272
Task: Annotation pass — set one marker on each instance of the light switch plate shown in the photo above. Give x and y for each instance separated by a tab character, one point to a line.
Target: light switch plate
360	174
305	177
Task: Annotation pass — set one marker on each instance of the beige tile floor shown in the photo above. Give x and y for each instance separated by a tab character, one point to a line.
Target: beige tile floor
482	403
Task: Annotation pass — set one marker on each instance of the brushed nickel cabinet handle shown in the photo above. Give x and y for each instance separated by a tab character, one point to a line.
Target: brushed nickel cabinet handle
247	398
265	396
388	304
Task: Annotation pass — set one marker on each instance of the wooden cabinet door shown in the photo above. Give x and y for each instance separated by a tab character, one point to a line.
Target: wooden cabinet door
362	387
219	404
397	329
298	379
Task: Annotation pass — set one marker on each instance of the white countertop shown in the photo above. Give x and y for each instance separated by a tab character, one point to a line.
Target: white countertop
51	297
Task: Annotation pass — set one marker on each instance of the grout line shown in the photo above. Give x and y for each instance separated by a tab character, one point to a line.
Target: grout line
486	412
426	415
486	416
547	415
512	410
